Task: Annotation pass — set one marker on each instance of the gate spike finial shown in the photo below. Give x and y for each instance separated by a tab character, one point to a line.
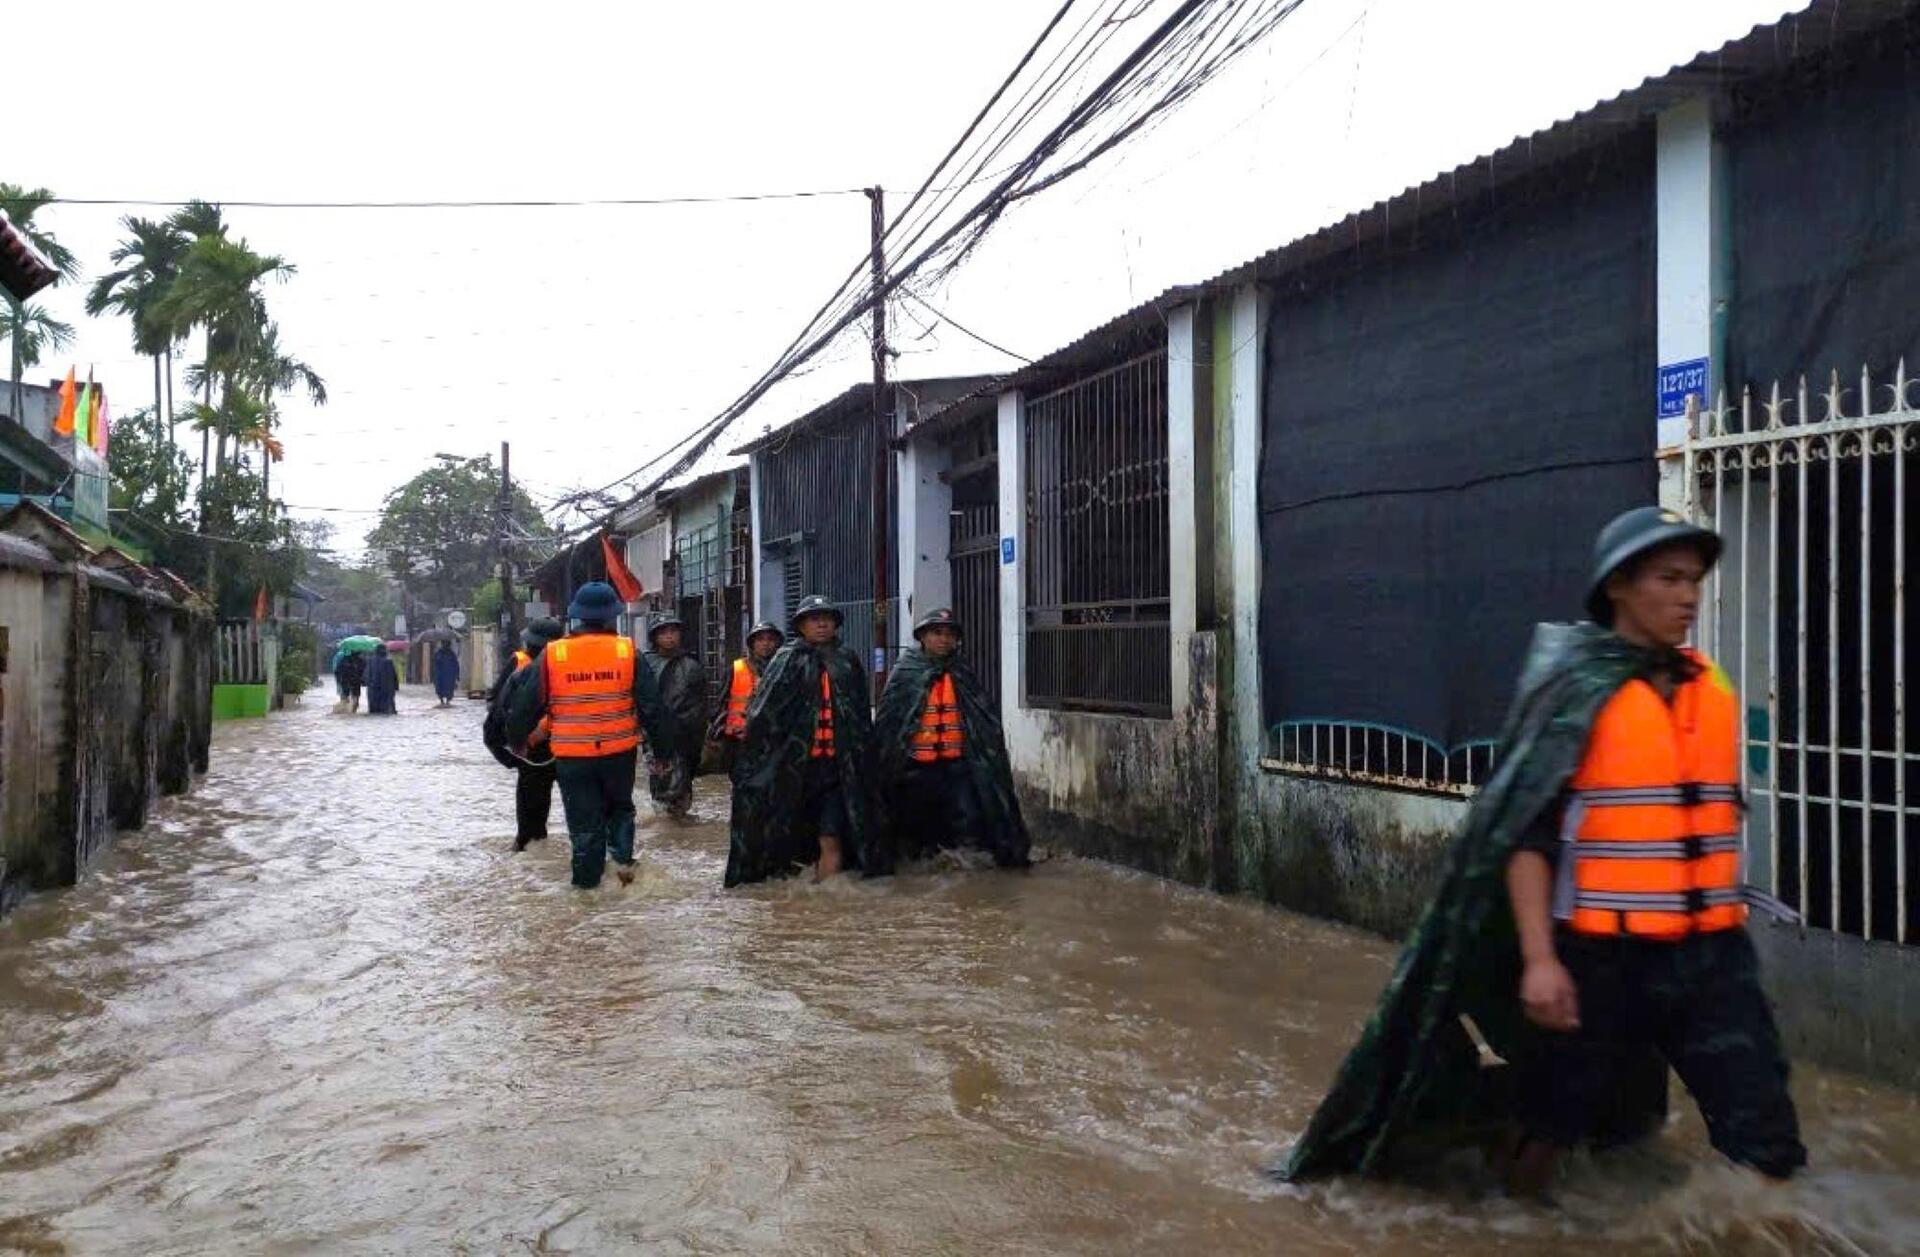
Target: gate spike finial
1835	398
1774	405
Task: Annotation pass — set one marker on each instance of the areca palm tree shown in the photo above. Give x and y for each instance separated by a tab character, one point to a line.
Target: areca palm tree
33	331
218	290
148	261
270	372
20	205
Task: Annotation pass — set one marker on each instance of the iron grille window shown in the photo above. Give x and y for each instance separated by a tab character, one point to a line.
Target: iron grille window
1098	570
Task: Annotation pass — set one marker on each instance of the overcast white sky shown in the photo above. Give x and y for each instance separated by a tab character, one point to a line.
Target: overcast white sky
592	337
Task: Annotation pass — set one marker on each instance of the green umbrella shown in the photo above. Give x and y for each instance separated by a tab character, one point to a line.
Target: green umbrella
358	645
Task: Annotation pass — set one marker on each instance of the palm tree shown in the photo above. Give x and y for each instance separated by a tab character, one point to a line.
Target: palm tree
218	289
33	331
20	205
148	259
270	372
196	220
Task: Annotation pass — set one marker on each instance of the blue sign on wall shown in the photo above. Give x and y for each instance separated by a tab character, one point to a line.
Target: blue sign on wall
1006	551
1676	381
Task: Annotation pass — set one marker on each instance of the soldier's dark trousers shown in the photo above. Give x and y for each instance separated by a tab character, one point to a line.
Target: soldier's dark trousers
532	802
1699	1003
597	795
674	789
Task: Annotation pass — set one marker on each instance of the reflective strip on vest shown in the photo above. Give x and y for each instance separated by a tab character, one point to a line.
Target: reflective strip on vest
823	723
1653	831
521	659
739	694
940	734
590	696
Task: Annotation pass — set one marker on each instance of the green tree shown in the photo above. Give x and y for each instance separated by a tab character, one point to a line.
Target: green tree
20	205
436	531
148	473
268	373
148	261
33	332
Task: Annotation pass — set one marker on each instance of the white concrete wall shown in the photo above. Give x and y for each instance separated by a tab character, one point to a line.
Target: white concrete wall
766	584
926	502
1182	508
1241	516
1023	731
1690	270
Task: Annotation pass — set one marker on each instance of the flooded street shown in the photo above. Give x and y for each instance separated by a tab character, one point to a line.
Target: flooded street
318	1006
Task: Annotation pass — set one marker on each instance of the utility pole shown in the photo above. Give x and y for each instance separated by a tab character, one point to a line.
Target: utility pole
882	441
502	520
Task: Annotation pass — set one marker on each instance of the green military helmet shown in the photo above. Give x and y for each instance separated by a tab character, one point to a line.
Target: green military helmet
539	634
762	628
939	617
813	603
665	620
1634	533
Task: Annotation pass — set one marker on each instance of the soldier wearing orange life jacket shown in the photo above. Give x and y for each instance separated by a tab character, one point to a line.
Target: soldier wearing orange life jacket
534	776
943	759
1629	899
803	788
730	724
594	703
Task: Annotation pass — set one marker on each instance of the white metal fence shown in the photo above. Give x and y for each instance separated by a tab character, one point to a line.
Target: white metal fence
1807	613
1377	755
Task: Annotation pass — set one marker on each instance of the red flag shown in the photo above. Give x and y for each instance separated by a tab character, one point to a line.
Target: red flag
619	573
261	605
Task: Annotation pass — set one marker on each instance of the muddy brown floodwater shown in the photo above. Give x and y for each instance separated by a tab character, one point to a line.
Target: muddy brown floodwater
318	1007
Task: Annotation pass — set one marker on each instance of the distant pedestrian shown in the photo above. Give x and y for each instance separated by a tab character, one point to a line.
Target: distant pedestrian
943	760
803	783
534	776
350	676
446	672
593	702
383	683
683	688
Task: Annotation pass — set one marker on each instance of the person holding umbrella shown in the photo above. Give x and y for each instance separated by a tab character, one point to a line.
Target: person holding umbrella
446	672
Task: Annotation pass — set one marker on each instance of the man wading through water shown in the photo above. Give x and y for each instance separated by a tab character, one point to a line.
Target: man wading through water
803	778
533	784
1591	923
589	698
943	759
730	725
683	688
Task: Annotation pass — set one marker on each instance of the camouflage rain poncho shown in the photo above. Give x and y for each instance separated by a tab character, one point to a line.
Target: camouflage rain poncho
913	678
1415	1073
769	771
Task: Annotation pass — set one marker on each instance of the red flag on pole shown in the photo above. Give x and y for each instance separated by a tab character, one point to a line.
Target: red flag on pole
63	425
262	607
624	581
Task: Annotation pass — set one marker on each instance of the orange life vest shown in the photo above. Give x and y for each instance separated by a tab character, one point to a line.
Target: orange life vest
739	694
1654	822
823	724
590	696
940	734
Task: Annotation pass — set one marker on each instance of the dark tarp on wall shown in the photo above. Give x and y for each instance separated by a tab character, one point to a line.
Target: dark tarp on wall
1823	173
1447	423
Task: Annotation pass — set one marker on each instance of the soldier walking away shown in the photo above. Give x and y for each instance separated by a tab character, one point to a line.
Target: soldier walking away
1591	923
683	688
593	702
383	683
944	774
803	779
534	777
350	675
730	723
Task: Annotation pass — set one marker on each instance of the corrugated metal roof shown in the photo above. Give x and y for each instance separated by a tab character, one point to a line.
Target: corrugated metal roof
951	385
1769	48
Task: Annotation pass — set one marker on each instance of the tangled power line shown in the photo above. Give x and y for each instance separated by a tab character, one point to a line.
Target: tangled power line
1056	124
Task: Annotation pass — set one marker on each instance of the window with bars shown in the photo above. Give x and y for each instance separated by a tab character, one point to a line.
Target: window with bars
1098	563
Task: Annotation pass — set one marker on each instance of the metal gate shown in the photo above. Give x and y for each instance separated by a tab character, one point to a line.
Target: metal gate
973	560
1808	614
